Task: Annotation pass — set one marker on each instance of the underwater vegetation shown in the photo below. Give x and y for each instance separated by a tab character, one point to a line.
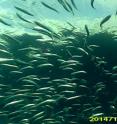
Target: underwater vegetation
63	78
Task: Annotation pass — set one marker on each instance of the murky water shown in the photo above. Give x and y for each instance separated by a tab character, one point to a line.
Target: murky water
58	62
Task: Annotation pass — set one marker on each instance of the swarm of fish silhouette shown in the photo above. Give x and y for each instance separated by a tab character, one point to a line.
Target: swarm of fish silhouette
51	81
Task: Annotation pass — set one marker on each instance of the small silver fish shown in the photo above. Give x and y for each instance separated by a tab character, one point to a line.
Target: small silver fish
105	20
23	19
5	23
74	5
87	30
47	6
92	4
24	11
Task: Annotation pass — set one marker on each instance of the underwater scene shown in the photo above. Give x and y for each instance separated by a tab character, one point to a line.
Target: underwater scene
58	61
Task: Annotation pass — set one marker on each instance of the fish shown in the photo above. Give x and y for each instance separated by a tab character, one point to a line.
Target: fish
79	73
13	103
83	51
24	11
14	113
68	69
66	87
2	85
43	31
16	72
72	65
3	46
43	26
45	88
27	49
69	7
16	117
46	102
38	119
73	27
87	30
98	108
5	53
44	40
23	91
46	65
74	98
105	20
12	97
5	23
114	76
9	66
83	89
38	115
4	60
23	19
74	5
21	62
27	81
61	2
69	62
87	110
28	106
98	115
92	47
25	77
51	55
2	97
92	4
47	6
114	68
72	122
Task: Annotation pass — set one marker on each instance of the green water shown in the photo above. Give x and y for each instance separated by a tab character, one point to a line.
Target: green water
58	62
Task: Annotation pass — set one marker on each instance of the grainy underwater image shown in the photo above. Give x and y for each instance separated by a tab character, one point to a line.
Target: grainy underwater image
58	61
